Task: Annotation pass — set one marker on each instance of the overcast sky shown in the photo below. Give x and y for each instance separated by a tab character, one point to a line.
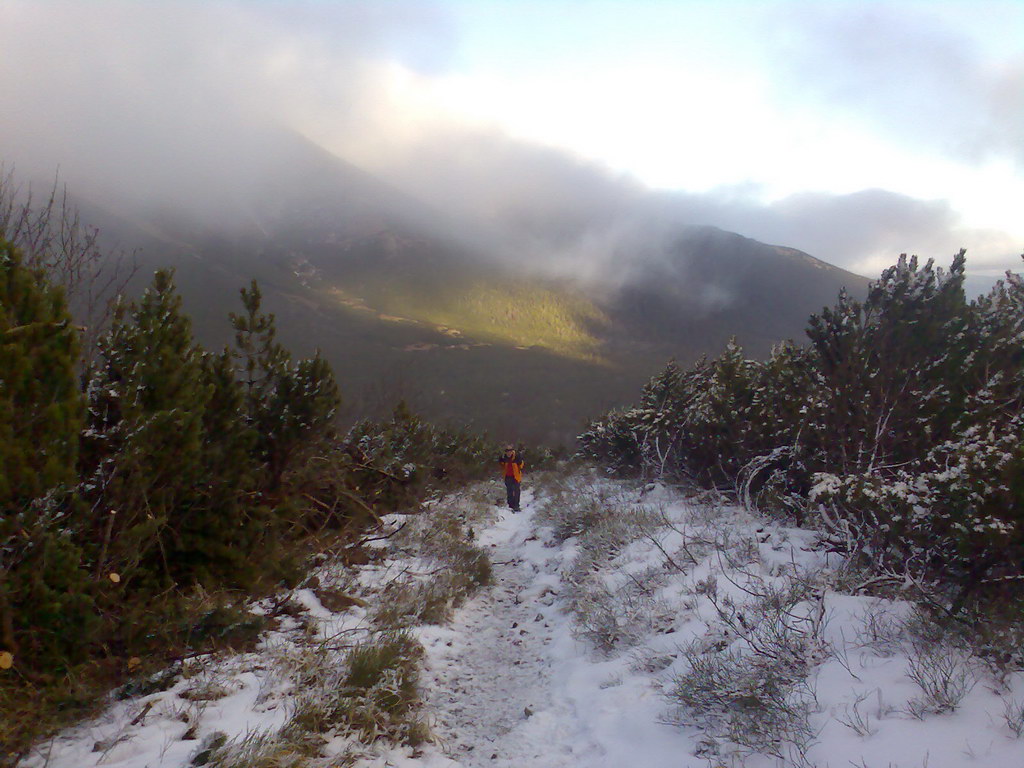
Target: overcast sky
851	130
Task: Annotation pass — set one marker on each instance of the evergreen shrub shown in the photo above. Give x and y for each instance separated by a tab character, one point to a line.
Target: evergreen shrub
897	428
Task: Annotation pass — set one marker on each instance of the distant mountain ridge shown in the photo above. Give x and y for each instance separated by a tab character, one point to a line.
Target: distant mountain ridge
407	301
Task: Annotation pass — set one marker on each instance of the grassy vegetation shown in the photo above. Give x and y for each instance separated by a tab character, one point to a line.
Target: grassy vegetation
444	539
526	313
464	379
372	696
373	692
206	622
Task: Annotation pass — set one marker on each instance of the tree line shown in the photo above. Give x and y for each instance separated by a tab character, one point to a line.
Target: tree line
139	479
156	467
897	428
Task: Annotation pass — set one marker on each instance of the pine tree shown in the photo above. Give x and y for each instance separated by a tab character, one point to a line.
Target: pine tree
838	436
298	413
718	420
782	389
147	404
903	420
229	440
263	359
45	611
656	436
218	531
892	367
290	405
40	408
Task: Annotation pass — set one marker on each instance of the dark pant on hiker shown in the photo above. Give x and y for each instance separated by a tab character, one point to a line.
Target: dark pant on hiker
512	492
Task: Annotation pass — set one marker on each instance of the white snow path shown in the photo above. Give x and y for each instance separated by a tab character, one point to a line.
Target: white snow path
507	684
492	677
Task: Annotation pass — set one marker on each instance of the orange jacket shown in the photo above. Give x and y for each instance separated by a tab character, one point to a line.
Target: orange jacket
513	466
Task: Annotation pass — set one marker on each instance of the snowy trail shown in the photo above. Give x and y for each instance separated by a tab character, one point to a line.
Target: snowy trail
492	678
516	680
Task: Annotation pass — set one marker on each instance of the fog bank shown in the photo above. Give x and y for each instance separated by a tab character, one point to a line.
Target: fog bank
195	107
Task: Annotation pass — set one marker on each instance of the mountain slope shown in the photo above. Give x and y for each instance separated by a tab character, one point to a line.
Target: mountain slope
406	301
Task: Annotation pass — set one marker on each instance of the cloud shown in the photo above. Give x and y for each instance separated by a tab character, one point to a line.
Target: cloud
570	215
910	72
191	105
162	102
863	231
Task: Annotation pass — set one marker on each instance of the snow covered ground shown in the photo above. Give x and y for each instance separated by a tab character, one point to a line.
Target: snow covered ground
511	686
624	626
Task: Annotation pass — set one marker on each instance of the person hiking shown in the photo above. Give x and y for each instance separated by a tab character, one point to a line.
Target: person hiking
512	467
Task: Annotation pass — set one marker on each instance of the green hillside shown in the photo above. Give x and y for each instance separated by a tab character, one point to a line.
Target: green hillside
521	314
